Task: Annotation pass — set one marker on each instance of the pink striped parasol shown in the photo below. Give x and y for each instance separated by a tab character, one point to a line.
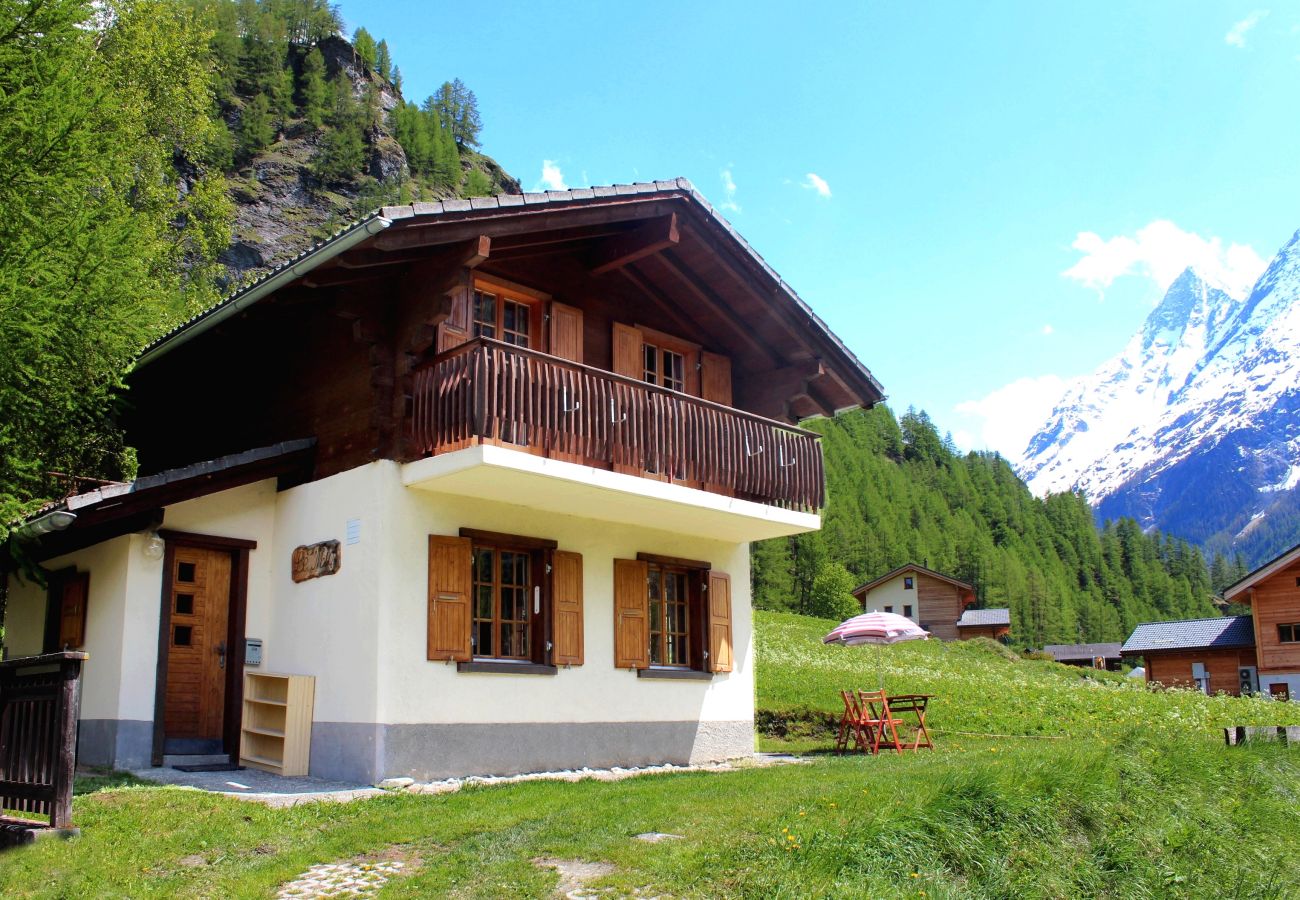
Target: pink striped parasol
876	628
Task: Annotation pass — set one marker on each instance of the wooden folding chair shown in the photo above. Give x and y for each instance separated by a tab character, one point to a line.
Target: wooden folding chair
876	718
853	727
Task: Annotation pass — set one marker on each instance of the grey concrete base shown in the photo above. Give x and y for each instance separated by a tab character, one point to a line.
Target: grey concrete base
369	752
114	743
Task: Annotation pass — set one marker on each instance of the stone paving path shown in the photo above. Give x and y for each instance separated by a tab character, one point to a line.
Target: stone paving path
357	879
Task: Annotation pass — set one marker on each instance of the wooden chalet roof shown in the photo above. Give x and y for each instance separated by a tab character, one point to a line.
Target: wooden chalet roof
1083	651
984	618
1264	572
662	240
910	567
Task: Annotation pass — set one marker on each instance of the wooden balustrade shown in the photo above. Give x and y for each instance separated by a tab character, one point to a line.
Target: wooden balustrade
39	703
486	390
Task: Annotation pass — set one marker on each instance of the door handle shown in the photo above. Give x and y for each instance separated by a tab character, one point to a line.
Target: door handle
221	655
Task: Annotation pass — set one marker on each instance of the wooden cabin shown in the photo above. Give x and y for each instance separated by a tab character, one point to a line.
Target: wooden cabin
1215	655
931	600
467	488
1273	592
1104	655
994	624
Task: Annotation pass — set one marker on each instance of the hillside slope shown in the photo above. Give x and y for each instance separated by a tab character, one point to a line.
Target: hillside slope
898	493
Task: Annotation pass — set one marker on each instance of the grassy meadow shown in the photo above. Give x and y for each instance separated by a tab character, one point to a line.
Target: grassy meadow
1109	804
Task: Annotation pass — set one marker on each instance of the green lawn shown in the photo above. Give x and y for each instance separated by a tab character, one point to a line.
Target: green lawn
1161	811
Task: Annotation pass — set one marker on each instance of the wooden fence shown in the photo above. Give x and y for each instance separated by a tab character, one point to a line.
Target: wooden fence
40	698
486	390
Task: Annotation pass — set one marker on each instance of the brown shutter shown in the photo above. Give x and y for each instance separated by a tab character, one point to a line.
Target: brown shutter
628	359
715	378
631	614
455	330
450	589
566	608
566	332
720	651
72	611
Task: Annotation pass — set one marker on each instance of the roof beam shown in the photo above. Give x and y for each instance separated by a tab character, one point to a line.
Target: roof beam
333	277
646	240
514	221
686	325
710	298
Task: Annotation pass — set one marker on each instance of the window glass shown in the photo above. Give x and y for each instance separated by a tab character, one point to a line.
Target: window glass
674	371
1288	634
889	609
183	635
514	323
185	572
907	584
669	616
185	604
485	314
907	611
502	612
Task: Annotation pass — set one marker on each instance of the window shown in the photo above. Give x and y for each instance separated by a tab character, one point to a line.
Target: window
670	602
908	584
672	617
504	318
1289	634
907	610
664	367
504	605
889	609
500	602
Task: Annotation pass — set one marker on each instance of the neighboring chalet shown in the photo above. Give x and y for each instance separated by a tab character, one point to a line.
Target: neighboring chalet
989	623
469	487
1094	656
1212	655
1273	592
933	601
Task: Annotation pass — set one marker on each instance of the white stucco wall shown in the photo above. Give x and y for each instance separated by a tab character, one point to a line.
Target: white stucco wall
1291	680
892	593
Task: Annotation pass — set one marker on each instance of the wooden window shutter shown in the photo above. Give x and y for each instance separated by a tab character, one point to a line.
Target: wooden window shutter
455	329
450	594
566	332
566	608
72	611
721	658
715	378
628	358
631	614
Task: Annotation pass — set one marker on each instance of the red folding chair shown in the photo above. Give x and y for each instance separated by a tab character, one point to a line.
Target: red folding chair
876	718
853	727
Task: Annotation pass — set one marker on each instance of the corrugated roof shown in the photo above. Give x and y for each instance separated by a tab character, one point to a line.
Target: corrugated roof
974	617
1083	651
1192	634
469	209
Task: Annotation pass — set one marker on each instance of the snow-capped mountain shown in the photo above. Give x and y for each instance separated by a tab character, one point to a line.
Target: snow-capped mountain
1195	426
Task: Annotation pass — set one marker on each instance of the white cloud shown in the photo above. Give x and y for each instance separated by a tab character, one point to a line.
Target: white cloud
1236	36
1048	329
552	178
1161	251
728	191
1012	414
816	183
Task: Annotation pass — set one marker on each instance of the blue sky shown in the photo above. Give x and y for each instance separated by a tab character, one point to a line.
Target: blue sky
982	199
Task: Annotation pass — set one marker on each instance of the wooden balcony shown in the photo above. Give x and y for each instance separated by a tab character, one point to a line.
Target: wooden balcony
486	391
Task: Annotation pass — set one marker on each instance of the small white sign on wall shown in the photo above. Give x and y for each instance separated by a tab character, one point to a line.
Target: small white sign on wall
354	531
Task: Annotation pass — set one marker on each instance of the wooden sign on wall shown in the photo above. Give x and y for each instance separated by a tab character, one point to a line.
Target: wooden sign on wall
316	560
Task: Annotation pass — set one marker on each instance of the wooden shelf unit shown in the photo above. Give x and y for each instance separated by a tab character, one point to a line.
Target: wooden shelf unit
276	732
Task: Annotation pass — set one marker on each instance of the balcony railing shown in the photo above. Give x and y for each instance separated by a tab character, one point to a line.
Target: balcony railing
486	391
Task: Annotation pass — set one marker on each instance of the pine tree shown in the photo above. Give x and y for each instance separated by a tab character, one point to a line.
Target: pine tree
365	48
342	150
383	61
255	129
313	92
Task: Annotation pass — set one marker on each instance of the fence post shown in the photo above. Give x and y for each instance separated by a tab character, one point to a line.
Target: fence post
65	771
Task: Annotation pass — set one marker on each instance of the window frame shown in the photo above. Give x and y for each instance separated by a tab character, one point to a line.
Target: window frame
1293	627
909	583
696	574
907	610
889	608
540	640
532	301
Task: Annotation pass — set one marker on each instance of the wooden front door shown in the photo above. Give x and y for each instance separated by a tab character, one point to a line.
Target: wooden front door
197	651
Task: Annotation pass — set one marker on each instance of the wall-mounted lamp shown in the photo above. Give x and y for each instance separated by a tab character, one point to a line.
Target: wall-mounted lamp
153	545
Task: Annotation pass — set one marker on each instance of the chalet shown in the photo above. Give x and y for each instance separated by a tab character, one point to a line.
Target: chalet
933	601
1215	655
1090	656
468	487
1273	593
989	623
